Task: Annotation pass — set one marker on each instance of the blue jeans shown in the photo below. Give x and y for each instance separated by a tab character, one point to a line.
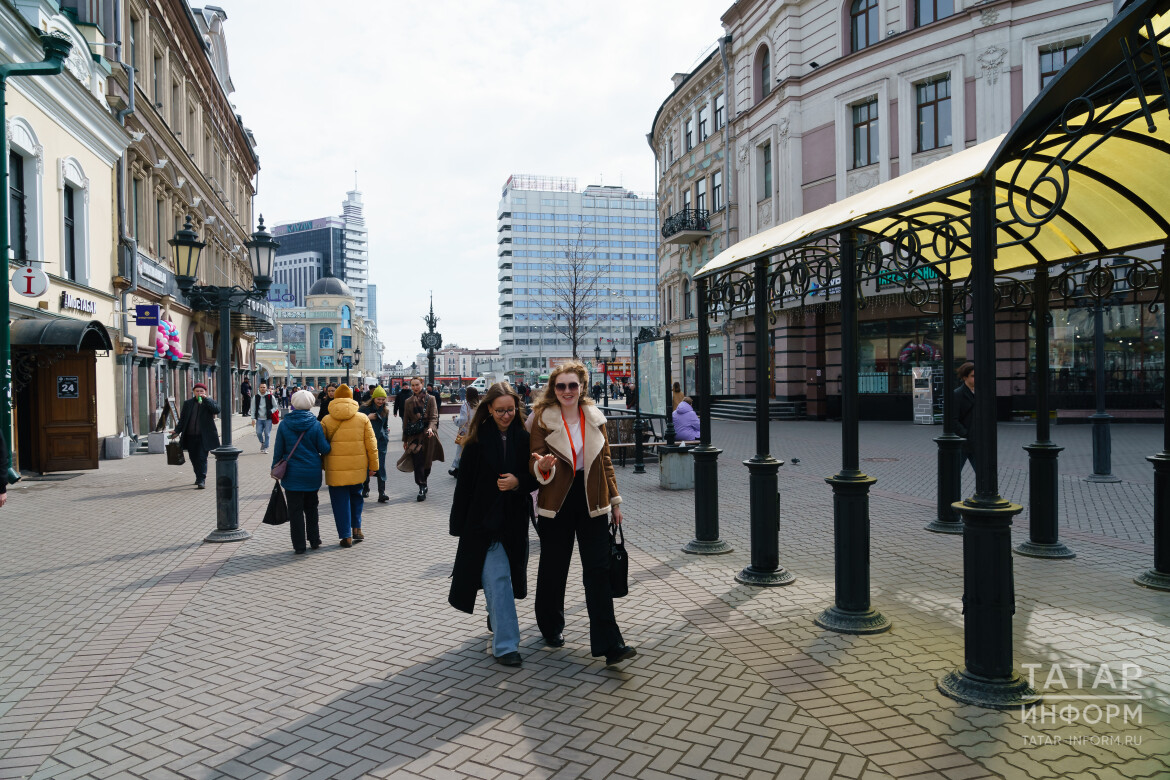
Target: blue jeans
347	502
501	603
263	432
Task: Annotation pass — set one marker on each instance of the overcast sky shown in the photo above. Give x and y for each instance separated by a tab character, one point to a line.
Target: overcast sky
435	103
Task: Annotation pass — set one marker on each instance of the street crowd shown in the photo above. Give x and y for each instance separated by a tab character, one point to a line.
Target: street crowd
523	456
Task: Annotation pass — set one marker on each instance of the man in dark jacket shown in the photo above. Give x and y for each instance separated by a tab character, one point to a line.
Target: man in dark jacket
400	399
965	412
197	429
431	391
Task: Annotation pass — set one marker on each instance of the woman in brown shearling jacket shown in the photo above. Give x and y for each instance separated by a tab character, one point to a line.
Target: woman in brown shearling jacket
578	490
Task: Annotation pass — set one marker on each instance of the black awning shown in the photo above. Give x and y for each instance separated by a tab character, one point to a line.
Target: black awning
78	334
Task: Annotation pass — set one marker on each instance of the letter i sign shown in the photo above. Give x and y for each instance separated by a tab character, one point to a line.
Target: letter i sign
29	281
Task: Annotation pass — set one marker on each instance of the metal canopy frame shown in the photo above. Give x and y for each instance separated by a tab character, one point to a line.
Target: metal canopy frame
1083	174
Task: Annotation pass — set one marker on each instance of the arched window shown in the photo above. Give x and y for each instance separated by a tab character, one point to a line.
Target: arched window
325	341
345	315
863	23
763	71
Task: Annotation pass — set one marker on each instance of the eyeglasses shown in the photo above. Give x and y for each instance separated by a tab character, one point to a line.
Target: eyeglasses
503	412
572	387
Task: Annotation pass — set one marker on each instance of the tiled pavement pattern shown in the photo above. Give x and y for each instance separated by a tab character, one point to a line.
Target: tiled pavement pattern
130	649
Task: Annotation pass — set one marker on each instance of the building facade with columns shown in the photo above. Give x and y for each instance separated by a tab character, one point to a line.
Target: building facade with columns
825	100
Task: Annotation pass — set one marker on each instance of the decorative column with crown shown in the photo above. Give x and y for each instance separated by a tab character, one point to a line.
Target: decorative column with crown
431	340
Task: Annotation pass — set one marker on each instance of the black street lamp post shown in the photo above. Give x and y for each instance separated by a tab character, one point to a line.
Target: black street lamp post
187	248
349	360
1102	437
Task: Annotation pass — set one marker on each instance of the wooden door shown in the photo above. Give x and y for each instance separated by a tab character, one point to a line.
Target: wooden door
66	414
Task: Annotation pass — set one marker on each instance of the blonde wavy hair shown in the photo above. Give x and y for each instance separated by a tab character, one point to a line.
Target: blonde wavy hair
548	397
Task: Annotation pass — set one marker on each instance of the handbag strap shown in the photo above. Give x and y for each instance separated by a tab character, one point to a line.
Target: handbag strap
616	533
294	447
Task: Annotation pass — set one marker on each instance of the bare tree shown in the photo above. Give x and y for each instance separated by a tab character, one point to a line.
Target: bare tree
571	290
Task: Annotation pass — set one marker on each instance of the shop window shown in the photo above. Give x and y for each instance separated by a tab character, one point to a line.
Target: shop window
1133	355
863	24
927	11
933	102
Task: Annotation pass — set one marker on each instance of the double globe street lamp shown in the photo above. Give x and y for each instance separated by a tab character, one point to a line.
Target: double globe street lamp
349	360
605	368
187	249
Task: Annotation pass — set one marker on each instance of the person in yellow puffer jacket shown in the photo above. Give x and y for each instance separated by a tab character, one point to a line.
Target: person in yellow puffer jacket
352	459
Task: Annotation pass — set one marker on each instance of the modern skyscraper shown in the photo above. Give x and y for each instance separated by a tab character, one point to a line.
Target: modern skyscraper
559	249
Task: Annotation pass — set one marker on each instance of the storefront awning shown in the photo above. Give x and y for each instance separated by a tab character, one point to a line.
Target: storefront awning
1084	172
75	334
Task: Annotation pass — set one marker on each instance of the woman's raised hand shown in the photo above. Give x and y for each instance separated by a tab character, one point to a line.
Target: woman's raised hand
545	464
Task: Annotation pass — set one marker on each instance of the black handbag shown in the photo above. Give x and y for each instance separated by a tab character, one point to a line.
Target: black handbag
619	563
175	454
277	512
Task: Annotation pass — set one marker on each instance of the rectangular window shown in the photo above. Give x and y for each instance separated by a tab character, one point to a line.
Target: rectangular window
1053	58
927	11
701	195
686	199
347	342
134	27
720	112
160	226
766	171
176	106
689	134
717	190
158	80
934	114
865	134
16	208
69	255
704	123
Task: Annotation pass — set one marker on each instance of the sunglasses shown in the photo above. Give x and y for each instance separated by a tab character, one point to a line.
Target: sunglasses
572	387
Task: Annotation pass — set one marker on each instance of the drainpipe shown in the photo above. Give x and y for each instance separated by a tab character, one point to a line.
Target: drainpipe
124	239
728	154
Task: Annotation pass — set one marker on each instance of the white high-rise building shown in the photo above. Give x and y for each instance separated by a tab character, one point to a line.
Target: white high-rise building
609	234
357	261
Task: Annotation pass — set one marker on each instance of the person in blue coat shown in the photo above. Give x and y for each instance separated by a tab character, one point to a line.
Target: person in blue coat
686	422
302	480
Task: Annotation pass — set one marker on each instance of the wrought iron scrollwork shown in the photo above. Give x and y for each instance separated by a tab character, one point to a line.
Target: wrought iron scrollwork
1109	279
730	290
25	362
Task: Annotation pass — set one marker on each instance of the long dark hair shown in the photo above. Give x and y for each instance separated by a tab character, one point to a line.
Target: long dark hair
483	412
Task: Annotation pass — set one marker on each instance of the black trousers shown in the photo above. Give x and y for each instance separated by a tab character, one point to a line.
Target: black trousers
556	551
302	516
198	457
422	469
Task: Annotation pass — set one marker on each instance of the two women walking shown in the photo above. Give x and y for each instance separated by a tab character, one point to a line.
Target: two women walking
567	458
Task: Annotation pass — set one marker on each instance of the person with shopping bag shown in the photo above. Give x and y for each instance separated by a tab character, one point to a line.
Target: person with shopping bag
196	431
490	514
300	445
578	492
353	457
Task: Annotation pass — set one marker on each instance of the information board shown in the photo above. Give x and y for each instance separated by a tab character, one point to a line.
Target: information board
652	377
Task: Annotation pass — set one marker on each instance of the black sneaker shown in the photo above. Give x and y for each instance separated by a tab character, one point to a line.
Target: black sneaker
200	486
619	654
510	659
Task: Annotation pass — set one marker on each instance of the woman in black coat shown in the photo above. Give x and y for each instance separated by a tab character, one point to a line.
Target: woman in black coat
490	514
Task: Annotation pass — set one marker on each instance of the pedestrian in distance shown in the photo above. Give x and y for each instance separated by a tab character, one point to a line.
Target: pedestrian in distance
323	400
578	491
462	425
686	422
245	396
401	398
420	440
263	405
431	391
352	458
965	413
302	478
490	513
379	413
196	431
676	396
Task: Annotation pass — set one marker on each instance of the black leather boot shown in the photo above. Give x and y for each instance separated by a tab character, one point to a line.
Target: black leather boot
382	497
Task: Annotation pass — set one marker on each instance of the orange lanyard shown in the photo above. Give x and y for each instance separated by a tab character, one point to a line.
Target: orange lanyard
572	448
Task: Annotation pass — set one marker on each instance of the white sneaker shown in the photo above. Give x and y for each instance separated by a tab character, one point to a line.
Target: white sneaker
263	451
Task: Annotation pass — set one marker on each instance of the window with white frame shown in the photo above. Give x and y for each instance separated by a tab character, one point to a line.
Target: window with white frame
17	209
25	165
865	133
933	106
74	187
69	232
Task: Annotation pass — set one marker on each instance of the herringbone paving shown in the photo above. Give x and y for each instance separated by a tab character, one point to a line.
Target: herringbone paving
133	650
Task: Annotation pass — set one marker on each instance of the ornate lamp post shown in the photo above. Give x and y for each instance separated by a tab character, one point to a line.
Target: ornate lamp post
349	360
57	49
187	249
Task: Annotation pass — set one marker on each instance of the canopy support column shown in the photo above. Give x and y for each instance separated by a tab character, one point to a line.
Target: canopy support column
765	568
1043	455
1102	436
1158	577
950	458
851	612
988	677
706	541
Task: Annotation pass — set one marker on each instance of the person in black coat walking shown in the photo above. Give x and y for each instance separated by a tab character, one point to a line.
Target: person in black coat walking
197	429
965	412
400	400
490	514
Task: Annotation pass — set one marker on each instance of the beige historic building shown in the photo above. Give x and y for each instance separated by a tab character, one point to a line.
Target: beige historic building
823	100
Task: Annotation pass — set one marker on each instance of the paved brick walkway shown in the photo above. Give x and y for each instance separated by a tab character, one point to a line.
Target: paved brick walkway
132	649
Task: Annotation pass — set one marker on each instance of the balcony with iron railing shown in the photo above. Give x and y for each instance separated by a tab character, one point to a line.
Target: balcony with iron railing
686	226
